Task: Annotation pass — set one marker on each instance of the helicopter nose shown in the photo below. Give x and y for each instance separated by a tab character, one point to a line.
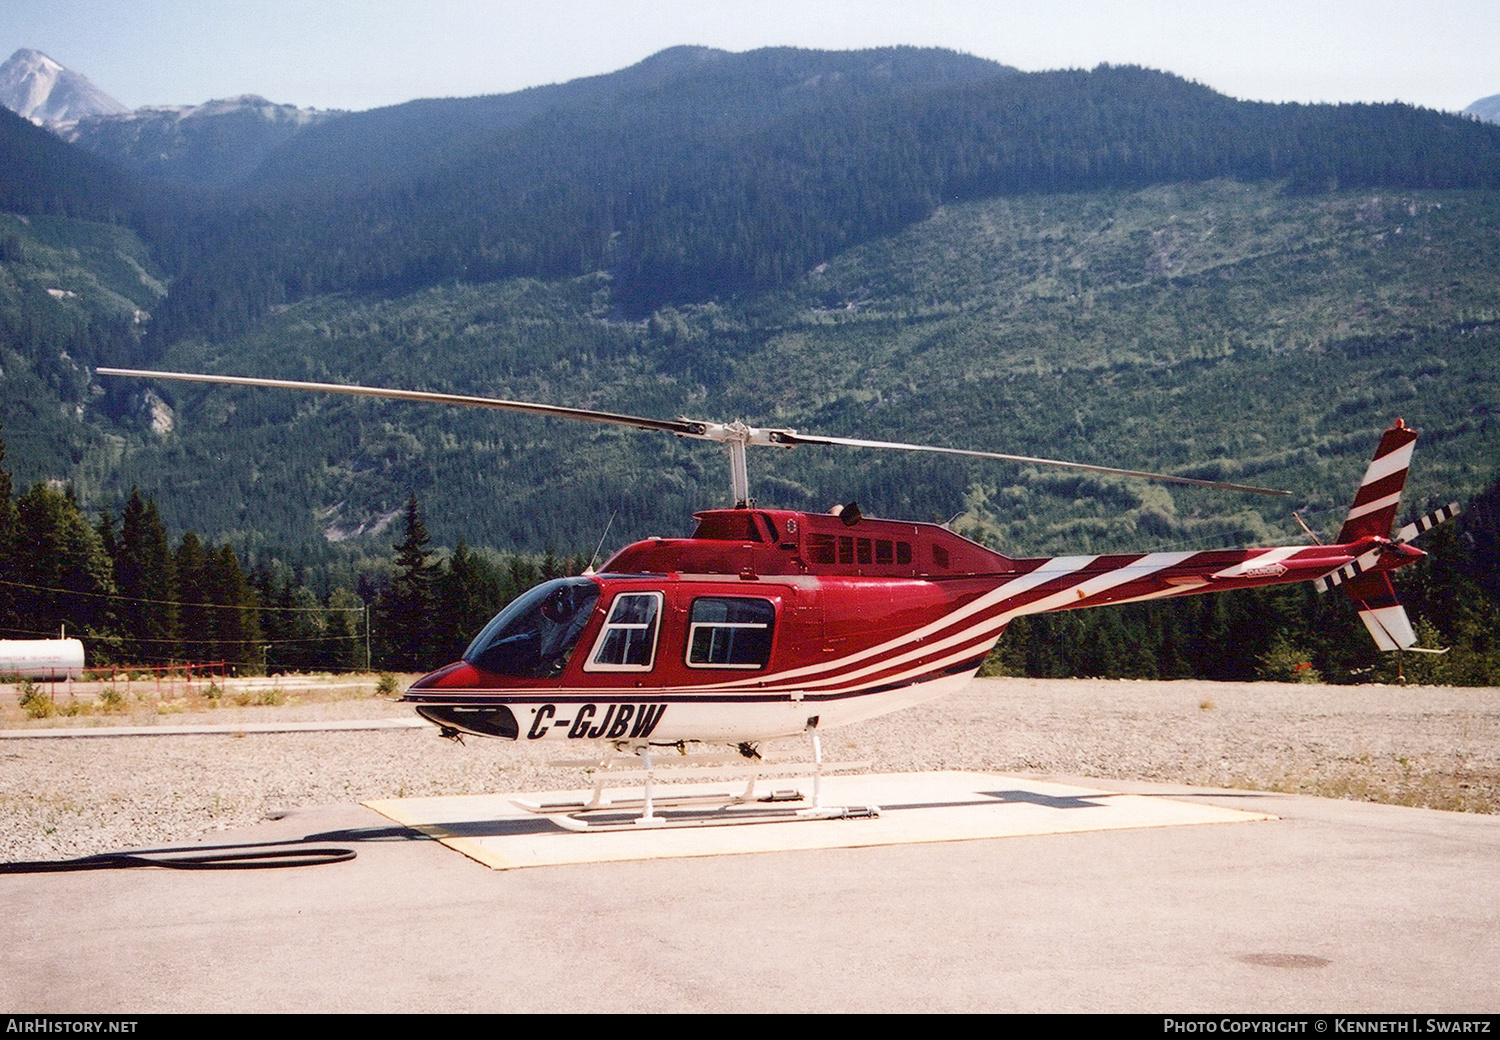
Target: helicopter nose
457	675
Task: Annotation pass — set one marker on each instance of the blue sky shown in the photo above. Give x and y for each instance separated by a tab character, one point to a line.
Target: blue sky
358	54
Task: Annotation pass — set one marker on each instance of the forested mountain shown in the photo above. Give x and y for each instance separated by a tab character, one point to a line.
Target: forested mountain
215	144
691	179
725	234
1116	266
41	174
683	89
1220	329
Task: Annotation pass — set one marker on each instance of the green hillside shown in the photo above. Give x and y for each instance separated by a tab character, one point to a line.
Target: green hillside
1223	330
1116	266
730	177
73	294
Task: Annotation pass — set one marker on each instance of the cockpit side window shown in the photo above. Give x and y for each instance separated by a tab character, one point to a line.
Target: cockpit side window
534	637
627	642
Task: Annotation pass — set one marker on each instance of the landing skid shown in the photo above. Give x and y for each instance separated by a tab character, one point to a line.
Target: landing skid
714	809
722	817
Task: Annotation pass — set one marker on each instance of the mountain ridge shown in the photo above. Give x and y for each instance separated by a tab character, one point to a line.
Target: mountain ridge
901	244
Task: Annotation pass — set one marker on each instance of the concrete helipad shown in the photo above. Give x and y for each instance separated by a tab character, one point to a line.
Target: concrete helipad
914	808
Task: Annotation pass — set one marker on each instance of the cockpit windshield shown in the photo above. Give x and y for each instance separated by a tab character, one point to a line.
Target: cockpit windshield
533	638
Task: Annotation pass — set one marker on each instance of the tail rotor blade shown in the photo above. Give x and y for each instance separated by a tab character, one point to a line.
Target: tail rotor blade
1428	522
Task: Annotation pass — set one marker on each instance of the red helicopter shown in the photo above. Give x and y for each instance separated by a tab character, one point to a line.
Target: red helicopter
768	623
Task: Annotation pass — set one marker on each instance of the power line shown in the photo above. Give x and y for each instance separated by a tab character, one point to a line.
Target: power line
181	603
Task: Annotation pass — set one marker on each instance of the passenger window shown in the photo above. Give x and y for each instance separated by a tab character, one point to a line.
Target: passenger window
627	643
730	632
903	552
862	545
883	551
820	548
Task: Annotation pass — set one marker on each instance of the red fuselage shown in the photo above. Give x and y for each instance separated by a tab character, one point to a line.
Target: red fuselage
767	621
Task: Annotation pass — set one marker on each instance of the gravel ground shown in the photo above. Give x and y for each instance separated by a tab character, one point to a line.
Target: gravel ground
1429	746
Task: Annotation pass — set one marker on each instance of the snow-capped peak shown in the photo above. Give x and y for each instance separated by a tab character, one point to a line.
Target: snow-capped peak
37	88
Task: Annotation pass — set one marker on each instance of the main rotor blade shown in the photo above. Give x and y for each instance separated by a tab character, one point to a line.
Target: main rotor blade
790	438
736	434
681	427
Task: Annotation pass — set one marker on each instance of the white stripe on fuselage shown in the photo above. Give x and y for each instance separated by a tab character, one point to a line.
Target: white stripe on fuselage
1055	568
990	628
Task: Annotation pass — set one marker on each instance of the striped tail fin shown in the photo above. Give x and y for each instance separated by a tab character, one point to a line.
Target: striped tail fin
1354	568
1374	508
1372	516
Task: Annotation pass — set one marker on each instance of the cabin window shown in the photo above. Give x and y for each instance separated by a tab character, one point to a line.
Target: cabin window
820	548
862	547
627	643
730	632
846	548
903	552
884	551
940	556
534	637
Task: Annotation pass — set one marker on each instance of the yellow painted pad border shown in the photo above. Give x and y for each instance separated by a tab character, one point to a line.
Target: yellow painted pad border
915	808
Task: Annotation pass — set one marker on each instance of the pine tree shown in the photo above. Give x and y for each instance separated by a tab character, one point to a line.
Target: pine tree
408	615
63	561
469	594
195	616
236	622
345	649
143	573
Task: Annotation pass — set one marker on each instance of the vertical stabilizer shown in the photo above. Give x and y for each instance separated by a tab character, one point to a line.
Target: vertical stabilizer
1374	508
1371	516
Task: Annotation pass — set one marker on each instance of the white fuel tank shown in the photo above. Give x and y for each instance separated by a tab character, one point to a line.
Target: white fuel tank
41	658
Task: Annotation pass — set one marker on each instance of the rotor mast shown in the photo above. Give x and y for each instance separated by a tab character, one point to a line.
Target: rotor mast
736	437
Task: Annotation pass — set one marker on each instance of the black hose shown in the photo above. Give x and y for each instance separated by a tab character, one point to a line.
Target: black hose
262	856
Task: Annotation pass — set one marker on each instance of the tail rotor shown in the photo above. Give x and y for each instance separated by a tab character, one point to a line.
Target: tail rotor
1371	517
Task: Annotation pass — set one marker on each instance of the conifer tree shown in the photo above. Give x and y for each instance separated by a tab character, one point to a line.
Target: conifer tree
195	616
345	646
469	594
143	573
236	622
408	615
62	560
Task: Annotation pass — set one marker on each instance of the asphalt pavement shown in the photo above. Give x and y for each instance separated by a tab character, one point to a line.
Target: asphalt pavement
1332	907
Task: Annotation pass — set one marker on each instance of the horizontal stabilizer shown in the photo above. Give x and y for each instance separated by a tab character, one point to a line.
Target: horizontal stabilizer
1427	523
